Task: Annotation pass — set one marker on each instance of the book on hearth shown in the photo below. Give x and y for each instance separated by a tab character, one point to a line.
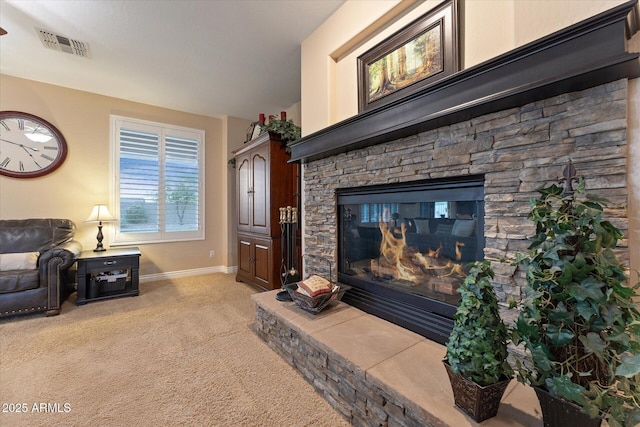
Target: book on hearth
315	285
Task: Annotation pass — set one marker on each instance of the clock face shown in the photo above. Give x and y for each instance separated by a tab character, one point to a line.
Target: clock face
29	146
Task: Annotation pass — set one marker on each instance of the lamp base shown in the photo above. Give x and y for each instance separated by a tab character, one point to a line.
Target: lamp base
100	236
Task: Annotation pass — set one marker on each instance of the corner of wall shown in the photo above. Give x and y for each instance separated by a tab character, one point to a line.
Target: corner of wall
633	167
633	174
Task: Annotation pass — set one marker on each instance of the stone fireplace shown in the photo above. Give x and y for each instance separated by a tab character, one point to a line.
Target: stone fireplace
511	124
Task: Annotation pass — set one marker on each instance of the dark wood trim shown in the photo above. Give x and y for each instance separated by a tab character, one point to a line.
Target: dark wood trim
258	140
584	55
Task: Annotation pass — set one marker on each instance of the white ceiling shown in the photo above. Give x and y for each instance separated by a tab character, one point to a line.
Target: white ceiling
210	57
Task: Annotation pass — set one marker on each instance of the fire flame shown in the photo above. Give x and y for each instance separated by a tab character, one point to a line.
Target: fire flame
392	249
458	251
406	263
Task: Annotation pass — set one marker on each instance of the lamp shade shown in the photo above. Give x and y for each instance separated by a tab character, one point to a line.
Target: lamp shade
100	213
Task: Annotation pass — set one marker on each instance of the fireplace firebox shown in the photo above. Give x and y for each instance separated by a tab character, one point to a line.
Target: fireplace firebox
404	249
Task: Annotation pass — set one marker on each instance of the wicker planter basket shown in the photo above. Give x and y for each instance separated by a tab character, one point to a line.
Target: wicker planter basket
561	413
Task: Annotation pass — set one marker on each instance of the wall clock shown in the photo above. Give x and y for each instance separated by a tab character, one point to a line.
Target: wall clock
29	146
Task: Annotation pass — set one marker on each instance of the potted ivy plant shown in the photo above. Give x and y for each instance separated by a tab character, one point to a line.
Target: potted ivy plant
286	129
476	357
578	321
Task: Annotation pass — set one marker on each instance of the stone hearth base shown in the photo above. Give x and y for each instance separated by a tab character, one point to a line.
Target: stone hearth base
374	372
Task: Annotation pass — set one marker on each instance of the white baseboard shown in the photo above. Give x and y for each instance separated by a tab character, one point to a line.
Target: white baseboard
187	273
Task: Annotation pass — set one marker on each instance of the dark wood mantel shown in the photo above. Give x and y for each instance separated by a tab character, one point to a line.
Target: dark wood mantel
584	55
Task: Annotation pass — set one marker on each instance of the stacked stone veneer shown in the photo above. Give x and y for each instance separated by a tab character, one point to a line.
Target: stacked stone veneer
517	150
343	385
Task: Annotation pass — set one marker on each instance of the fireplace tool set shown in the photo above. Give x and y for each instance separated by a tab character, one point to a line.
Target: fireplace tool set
289	272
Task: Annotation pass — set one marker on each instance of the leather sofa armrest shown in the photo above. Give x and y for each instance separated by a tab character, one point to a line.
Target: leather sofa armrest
68	252
53	265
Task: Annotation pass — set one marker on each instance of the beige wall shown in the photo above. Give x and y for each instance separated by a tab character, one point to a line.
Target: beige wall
84	178
534	18
232	128
633	167
490	28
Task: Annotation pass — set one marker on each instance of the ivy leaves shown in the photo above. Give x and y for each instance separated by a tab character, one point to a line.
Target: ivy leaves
578	319
477	346
629	366
287	130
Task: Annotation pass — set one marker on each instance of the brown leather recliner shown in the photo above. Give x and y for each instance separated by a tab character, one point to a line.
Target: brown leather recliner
35	256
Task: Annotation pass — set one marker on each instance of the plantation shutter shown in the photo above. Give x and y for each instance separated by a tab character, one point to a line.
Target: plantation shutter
139	181
377	212
159	182
181	184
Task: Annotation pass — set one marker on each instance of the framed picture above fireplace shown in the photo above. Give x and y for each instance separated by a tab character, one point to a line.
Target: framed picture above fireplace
418	55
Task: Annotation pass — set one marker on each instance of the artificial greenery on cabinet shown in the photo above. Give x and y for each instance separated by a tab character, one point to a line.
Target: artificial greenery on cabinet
287	130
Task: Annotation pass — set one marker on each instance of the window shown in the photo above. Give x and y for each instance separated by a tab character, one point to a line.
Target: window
377	212
158	189
442	209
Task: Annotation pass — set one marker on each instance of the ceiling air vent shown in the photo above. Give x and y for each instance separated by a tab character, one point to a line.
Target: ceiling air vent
63	44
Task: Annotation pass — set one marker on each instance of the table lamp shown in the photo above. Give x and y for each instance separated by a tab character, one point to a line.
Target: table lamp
100	214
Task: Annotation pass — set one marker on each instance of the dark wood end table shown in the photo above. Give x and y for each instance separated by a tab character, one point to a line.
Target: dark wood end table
110	274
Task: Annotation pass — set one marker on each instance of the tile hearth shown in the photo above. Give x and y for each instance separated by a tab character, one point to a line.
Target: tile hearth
374	372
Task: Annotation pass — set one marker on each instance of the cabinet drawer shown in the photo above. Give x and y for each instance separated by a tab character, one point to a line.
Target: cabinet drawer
115	263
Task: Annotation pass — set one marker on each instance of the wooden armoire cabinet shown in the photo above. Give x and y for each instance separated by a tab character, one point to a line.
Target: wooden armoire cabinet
265	182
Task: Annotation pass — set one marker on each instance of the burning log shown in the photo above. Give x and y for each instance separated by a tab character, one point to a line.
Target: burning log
458	251
399	262
435	253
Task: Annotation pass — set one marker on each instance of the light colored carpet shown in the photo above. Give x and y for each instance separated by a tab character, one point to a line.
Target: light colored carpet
181	353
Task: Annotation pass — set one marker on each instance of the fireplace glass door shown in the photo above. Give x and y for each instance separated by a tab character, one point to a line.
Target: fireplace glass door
406	247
